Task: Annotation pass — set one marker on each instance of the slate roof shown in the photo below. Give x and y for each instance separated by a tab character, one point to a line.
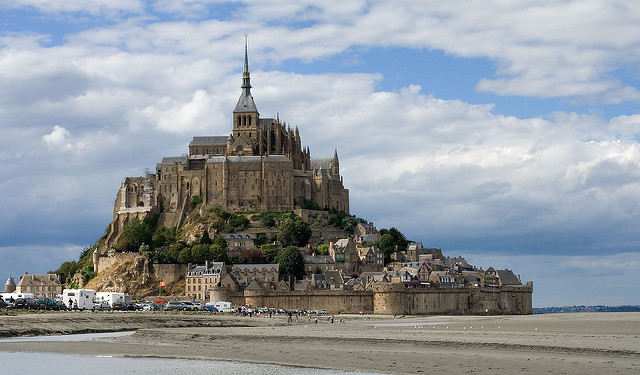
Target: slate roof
241	236
318	259
174	159
324	163
215	268
257	266
246	103
508	278
209	141
39	279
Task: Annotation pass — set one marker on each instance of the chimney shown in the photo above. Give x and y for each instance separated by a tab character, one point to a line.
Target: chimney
206	264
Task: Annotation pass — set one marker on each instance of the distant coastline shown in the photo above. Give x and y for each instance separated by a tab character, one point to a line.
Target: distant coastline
583	308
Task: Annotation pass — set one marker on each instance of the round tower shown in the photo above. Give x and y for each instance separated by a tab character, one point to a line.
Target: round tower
10	285
389	298
96	259
219	293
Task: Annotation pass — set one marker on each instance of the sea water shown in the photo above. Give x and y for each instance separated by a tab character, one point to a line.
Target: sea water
69	364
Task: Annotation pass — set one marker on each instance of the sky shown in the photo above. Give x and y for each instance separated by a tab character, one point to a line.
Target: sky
504	132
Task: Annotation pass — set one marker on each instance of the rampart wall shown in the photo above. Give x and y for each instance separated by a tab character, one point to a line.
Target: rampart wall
389	299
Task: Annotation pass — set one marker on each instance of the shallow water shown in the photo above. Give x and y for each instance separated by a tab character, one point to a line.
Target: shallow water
65	364
69	364
75	337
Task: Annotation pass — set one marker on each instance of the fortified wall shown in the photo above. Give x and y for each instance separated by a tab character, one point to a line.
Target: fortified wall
392	299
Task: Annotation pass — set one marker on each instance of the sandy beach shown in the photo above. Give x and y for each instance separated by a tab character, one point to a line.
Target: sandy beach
585	343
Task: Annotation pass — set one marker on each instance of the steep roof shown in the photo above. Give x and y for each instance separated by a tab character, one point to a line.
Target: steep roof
245	102
318	259
508	278
174	159
209	141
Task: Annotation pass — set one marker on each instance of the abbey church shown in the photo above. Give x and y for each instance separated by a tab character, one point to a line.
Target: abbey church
261	165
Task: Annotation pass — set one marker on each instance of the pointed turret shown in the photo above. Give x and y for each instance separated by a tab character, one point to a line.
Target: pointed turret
335	164
246	103
246	117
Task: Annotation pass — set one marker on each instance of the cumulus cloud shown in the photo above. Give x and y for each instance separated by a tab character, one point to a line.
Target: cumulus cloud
59	139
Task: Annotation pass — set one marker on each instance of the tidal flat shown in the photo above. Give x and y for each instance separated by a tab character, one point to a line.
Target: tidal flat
580	343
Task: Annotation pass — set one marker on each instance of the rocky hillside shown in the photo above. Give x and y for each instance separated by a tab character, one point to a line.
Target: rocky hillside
130	273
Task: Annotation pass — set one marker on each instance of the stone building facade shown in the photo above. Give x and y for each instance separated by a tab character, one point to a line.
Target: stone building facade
201	279
44	285
260	165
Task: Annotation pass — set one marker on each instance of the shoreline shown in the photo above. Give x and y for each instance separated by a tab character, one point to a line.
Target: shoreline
583	343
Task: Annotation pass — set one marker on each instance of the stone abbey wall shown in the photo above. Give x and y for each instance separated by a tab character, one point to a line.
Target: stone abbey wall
393	299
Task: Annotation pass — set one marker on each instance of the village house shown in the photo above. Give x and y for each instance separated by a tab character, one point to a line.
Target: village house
200	279
442	279
238	242
334	280
263	274
318	263
366	232
345	255
371	259
45	285
415	250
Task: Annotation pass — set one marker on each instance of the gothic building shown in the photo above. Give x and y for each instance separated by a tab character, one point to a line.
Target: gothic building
260	165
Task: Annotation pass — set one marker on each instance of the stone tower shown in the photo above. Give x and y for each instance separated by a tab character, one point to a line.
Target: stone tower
10	285
246	116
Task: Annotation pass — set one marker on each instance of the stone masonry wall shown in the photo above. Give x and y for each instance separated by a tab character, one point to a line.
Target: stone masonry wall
394	299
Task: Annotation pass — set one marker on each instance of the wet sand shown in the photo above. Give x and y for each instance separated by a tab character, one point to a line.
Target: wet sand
585	343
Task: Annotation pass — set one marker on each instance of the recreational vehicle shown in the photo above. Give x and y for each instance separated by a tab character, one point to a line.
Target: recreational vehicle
221	306
110	297
81	299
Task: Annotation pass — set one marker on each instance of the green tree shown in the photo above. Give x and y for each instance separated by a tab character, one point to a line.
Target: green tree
269	252
323	249
218	253
205	239
164	236
301	232
291	262
200	253
285	232
66	271
293	231
237	223
185	255
388	246
267	220
137	232
174	252
398	238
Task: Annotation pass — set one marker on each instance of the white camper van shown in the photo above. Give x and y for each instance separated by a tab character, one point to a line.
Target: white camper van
110	297
221	306
81	299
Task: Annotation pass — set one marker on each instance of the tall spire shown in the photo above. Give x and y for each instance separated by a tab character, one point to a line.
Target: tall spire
246	80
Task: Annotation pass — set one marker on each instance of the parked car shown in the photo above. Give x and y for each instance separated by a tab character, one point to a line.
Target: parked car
61	305
209	308
196	305
47	303
26	303
152	307
101	306
119	306
177	306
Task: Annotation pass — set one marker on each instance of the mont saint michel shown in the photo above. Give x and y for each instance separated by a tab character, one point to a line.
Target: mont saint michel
250	218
